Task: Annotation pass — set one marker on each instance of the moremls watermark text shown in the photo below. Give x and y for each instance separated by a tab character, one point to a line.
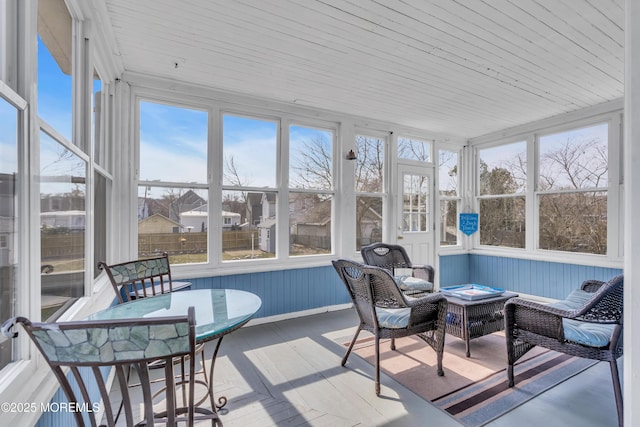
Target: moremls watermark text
24	407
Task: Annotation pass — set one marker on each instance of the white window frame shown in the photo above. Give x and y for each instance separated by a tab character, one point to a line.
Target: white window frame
612	115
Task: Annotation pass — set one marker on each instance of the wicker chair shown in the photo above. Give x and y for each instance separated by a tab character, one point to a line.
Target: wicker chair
587	324
87	346
387	313
394	257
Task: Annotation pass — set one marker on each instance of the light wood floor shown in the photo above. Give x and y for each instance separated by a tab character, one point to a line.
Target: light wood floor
288	373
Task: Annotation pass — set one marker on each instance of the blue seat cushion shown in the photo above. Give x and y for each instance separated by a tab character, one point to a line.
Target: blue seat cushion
576	299
393	318
590	334
409	283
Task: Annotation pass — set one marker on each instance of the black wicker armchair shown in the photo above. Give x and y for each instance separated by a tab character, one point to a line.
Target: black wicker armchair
587	324
387	313
394	257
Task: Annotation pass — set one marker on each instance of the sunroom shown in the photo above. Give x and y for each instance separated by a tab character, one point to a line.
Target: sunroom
254	142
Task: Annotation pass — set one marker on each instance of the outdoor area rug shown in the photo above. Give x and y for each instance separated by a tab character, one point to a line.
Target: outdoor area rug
473	390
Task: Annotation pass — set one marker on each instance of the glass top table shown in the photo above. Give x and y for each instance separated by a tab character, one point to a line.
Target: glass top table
218	313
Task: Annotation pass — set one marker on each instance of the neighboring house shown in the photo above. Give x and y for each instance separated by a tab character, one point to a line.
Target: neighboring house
158	224
317	229
253	213
370	225
189	201
169	207
267	235
230	220
268	202
73	220
62	202
148	207
310	216
196	219
267	225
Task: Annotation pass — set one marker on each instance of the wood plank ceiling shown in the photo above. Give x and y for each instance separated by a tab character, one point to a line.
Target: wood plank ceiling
465	68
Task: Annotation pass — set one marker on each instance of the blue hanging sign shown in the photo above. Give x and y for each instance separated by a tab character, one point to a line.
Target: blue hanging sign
468	223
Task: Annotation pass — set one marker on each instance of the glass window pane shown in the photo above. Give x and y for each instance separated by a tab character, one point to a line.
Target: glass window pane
101	198
575	159
369	220
9	238
55	88
415	203
310	158
574	222
173	143
370	164
62	226
249	151
503	169
414	149
309	224
502	222
99	148
248	225
448	173
448	222
173	220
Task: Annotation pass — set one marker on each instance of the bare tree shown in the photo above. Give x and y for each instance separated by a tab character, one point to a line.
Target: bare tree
369	179
574	221
313	164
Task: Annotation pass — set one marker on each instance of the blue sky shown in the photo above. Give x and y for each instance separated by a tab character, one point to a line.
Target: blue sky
8	138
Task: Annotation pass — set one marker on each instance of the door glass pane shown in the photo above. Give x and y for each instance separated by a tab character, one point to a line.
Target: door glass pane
8	219
415	203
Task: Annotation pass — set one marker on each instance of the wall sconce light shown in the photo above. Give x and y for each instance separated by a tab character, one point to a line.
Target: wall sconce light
351	155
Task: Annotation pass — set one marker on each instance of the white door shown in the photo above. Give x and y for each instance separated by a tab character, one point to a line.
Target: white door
416	216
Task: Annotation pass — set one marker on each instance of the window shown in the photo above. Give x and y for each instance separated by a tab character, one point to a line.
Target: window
173	213
449	198
572	190
310	190
249	196
369	189
414	149
101	102
568	196
502	185
9	237
62	226
55	49
101	193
